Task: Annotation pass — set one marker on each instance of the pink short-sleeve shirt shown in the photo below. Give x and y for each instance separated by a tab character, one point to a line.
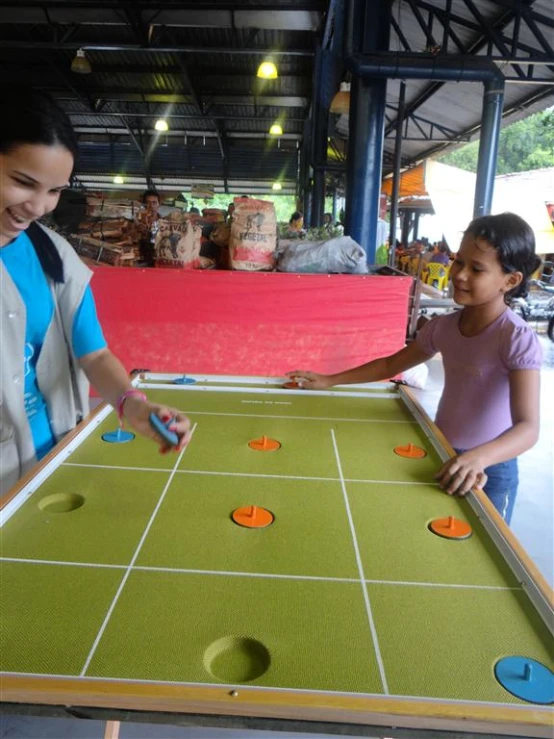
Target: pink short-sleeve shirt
475	403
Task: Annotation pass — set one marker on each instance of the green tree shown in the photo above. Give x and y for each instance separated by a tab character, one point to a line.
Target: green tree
524	145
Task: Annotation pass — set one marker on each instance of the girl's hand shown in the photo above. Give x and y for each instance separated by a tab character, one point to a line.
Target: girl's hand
137	413
310	380
461	473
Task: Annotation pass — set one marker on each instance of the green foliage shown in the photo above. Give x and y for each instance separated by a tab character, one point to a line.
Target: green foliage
525	145
285	205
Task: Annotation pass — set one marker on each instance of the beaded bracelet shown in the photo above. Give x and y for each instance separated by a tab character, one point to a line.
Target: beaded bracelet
122	398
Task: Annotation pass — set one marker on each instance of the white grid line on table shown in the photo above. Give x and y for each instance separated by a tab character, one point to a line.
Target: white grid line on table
284	417
248	474
265	391
133	560
267	688
276	382
262	575
361	570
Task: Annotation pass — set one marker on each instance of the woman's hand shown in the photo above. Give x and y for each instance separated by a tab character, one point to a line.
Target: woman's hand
310	380
137	413
461	473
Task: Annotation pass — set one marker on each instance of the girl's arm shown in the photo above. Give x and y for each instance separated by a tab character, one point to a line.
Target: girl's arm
461	473
378	369
106	373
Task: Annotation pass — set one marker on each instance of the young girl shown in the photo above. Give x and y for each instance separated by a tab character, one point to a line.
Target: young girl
489	409
52	345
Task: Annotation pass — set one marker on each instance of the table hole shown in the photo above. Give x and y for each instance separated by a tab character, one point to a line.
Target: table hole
236	659
61	503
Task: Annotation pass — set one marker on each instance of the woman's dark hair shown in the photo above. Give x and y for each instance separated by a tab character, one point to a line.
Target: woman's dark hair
31	116
514	242
295	216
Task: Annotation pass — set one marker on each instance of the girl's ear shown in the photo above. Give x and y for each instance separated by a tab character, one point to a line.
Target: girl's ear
513	279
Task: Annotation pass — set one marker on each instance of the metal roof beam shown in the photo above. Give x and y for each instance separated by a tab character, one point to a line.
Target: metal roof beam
477	45
155	48
490	31
507	46
117	131
178	116
271	101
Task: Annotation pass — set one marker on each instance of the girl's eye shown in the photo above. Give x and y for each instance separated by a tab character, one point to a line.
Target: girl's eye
23	183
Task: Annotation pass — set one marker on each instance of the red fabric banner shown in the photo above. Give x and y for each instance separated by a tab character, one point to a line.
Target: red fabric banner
238	323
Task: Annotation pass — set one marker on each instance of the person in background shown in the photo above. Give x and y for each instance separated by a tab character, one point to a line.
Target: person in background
328	221
151	203
52	343
428	253
440	254
489	409
230	211
194	211
296	222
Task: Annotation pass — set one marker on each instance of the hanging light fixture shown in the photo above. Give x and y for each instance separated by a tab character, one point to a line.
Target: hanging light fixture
267	71
118	180
276	186
161	125
276	130
341	102
80	63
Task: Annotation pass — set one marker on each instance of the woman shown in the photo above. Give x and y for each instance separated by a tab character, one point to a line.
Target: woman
52	343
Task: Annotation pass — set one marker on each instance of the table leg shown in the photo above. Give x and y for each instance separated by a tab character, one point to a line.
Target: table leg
112	730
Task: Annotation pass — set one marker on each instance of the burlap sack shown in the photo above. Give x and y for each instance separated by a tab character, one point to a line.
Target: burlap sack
253	235
178	243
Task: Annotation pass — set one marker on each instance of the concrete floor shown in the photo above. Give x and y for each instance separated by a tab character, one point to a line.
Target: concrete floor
532	522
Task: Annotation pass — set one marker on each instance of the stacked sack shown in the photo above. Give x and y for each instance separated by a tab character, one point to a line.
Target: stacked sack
178	242
253	237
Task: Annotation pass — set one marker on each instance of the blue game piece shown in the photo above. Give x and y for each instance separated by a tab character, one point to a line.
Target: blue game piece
118	437
184	380
162	428
526	678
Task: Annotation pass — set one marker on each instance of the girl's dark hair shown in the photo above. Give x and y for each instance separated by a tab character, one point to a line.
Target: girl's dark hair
295	216
31	116
514	241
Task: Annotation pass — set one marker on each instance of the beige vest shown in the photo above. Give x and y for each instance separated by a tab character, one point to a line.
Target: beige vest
60	379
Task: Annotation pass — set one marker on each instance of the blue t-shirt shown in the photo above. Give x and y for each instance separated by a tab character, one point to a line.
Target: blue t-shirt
20	260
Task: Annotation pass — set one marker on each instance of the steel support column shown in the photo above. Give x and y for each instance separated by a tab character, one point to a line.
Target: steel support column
396	173
320	118
367	119
493	101
365	151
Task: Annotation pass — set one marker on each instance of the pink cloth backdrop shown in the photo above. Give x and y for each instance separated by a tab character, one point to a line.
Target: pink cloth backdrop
238	323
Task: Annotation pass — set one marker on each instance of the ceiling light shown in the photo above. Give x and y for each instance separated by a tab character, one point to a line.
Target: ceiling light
341	102
276	186
118	180
80	63
161	125
267	71
276	130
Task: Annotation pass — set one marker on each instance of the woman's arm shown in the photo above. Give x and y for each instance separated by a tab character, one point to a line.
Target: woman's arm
461	473
106	373
378	369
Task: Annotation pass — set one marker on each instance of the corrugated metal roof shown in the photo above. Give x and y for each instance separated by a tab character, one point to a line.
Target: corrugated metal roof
232	100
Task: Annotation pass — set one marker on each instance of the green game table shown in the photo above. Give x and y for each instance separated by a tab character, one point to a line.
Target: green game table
128	590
